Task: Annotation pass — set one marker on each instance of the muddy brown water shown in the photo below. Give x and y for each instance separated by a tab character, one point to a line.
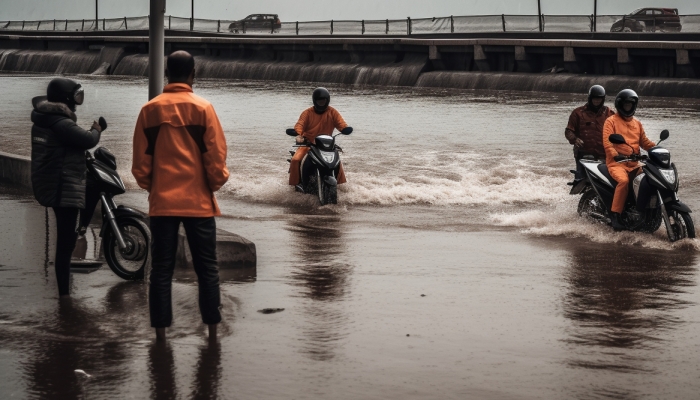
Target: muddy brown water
457	196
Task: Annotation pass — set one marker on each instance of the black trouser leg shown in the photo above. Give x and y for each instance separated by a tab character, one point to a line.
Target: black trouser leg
92	197
66	235
201	236
580	172
164	233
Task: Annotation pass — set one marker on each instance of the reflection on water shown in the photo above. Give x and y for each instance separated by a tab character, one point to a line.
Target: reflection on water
624	304
322	274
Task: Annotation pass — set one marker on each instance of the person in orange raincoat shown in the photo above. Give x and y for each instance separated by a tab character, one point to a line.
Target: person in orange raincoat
180	159
320	119
631	129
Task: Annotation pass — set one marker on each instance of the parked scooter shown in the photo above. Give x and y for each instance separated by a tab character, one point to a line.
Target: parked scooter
319	168
125	235
652	199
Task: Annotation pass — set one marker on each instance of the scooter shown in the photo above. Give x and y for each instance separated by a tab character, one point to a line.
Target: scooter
319	168
125	234
653	197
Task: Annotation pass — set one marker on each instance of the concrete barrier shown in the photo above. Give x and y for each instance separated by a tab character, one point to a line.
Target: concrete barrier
233	251
16	170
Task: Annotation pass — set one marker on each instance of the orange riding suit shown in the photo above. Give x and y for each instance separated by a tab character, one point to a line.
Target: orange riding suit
633	132
180	154
310	125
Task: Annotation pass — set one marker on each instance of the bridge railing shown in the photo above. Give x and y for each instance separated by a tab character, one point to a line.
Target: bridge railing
408	26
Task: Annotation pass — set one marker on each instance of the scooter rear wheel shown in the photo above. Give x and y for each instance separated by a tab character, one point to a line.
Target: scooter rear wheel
129	264
590	206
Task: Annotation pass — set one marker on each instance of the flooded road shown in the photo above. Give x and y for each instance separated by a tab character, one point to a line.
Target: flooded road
454	266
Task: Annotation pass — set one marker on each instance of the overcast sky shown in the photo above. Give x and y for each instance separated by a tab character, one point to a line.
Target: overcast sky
310	10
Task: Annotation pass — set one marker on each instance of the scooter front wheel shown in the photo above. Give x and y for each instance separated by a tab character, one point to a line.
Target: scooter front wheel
327	194
682	226
128	263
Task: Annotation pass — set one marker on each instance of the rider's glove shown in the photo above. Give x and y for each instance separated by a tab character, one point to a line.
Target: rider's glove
620	158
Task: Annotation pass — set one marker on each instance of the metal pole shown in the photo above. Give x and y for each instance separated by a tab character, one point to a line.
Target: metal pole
192	17
97	18
363	26
156	48
539	13
331	27
452	24
503	21
595	15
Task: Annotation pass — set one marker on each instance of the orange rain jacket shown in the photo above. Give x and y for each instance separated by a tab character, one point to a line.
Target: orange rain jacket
634	135
180	154
309	126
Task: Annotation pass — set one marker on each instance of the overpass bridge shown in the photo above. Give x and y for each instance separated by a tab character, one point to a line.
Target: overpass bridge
659	64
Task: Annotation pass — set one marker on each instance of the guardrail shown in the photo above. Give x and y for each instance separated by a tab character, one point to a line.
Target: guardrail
408	26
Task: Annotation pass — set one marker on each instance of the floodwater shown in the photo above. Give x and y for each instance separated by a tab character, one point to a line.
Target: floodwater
454	265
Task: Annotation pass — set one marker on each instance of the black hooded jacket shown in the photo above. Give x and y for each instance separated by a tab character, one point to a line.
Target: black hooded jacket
58	155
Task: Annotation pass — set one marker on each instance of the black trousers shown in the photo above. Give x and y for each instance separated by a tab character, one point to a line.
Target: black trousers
201	236
67	234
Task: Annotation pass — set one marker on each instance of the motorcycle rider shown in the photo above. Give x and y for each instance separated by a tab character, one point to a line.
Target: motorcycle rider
585	128
631	129
58	167
320	119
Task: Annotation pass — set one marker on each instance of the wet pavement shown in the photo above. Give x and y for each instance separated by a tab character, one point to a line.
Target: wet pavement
370	312
459	272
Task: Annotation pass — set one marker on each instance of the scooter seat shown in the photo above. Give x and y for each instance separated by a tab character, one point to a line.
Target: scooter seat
603	168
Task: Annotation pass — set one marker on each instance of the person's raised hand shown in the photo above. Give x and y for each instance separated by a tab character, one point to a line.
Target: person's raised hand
300	139
96	126
578	143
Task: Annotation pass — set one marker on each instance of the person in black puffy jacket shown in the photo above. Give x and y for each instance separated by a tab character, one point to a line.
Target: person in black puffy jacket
58	166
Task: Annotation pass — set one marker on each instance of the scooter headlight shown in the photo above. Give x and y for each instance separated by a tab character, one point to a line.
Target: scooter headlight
669	175
328	156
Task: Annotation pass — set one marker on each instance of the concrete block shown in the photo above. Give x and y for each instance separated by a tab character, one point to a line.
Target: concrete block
433	53
480	59
682	57
683	67
16	170
570	62
520	54
232	251
523	62
623	56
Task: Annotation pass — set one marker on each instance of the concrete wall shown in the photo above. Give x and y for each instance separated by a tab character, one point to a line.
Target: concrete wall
16	170
674	64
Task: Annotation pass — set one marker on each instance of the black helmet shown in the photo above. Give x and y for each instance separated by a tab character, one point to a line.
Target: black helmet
596	91
66	91
627	95
321	99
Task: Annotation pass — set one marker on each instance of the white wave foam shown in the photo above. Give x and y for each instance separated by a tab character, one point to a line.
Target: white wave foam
563	220
436	179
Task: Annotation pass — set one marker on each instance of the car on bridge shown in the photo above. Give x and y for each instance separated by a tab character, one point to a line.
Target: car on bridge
649	20
256	22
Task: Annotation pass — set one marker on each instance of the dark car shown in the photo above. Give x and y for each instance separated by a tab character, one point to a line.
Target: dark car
649	20
256	22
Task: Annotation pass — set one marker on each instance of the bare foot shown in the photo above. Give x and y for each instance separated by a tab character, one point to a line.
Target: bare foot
160	334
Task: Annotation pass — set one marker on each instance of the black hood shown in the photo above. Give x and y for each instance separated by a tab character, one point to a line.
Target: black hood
46	113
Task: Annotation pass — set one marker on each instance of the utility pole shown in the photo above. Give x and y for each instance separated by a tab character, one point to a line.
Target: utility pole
539	13
156	48
595	15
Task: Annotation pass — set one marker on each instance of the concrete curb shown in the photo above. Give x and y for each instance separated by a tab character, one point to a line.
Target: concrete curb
16	170
232	251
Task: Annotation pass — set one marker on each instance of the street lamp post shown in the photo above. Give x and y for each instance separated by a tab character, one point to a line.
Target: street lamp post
156	48
595	15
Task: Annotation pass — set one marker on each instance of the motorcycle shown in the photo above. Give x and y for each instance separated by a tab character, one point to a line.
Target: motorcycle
653	197
125	234
319	167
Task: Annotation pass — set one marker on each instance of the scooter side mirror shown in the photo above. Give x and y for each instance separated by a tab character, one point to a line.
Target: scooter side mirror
664	135
347	130
616	138
291	132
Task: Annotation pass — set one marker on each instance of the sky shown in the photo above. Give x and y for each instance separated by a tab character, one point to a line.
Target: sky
316	10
